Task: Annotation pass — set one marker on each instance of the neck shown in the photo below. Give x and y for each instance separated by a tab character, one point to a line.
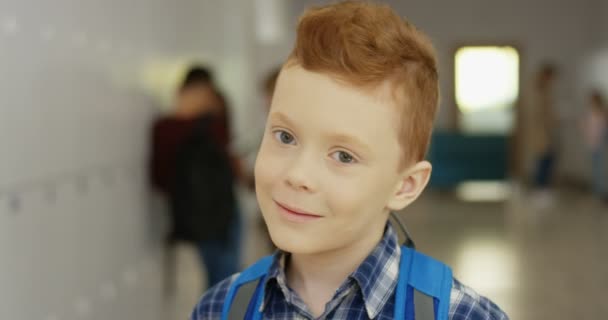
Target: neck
316	277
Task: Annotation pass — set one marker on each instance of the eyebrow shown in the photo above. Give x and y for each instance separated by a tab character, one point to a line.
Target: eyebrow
282	118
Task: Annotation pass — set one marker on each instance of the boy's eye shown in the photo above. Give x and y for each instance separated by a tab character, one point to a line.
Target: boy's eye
284	137
343	157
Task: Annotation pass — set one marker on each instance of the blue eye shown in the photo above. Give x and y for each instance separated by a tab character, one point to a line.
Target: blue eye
284	137
343	157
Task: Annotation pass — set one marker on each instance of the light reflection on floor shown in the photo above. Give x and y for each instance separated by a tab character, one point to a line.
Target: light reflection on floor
549	263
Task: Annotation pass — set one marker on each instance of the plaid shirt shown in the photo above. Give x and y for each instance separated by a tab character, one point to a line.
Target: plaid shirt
368	293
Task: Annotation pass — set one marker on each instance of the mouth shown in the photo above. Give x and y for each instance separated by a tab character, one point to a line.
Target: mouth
295	214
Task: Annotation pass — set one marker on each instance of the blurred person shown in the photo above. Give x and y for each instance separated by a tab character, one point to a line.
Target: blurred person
595	129
191	167
223	133
544	134
344	146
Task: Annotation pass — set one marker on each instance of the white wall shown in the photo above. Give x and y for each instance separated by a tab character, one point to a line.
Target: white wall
77	93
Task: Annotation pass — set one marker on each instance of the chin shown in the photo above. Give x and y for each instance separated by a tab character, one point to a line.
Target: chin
294	242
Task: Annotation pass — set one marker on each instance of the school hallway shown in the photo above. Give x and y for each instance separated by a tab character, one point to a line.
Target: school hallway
535	264
83	227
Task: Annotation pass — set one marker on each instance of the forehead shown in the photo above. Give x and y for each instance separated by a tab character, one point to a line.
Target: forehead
321	102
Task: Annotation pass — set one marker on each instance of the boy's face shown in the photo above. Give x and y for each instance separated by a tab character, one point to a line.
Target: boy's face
331	153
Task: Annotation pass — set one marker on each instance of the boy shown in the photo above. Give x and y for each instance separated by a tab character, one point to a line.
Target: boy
346	136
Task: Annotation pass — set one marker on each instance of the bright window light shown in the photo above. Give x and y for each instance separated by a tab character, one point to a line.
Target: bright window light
486	78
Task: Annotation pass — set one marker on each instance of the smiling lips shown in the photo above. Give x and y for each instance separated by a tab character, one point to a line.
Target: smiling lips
294	214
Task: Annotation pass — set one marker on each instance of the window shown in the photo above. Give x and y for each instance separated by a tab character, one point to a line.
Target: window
487	88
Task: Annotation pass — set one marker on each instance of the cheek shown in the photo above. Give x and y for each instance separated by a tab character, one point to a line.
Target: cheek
343	197
266	166
359	194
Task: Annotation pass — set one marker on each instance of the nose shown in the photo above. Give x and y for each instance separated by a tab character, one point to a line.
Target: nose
301	172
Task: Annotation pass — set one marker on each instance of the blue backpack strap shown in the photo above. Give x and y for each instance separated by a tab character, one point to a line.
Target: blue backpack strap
430	279
434	279
254	274
401	295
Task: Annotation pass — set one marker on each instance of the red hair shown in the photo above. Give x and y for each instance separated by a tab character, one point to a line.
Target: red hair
365	45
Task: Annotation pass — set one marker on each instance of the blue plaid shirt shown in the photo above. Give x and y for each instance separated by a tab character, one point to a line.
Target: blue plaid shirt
368	293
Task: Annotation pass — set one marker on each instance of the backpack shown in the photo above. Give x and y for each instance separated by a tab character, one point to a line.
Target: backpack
422	293
203	201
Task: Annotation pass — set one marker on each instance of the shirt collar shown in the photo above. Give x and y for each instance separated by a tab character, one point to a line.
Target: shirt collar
376	277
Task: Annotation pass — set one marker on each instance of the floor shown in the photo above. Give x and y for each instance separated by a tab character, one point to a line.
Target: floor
536	263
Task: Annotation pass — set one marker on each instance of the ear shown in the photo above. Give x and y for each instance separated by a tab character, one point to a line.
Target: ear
411	183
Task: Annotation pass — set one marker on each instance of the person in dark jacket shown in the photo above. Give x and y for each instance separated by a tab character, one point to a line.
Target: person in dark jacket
192	167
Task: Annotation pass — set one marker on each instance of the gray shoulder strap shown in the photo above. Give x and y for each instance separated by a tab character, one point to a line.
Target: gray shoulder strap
241	301
424	306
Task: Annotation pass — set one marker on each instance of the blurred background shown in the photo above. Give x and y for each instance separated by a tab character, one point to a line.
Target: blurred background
517	202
